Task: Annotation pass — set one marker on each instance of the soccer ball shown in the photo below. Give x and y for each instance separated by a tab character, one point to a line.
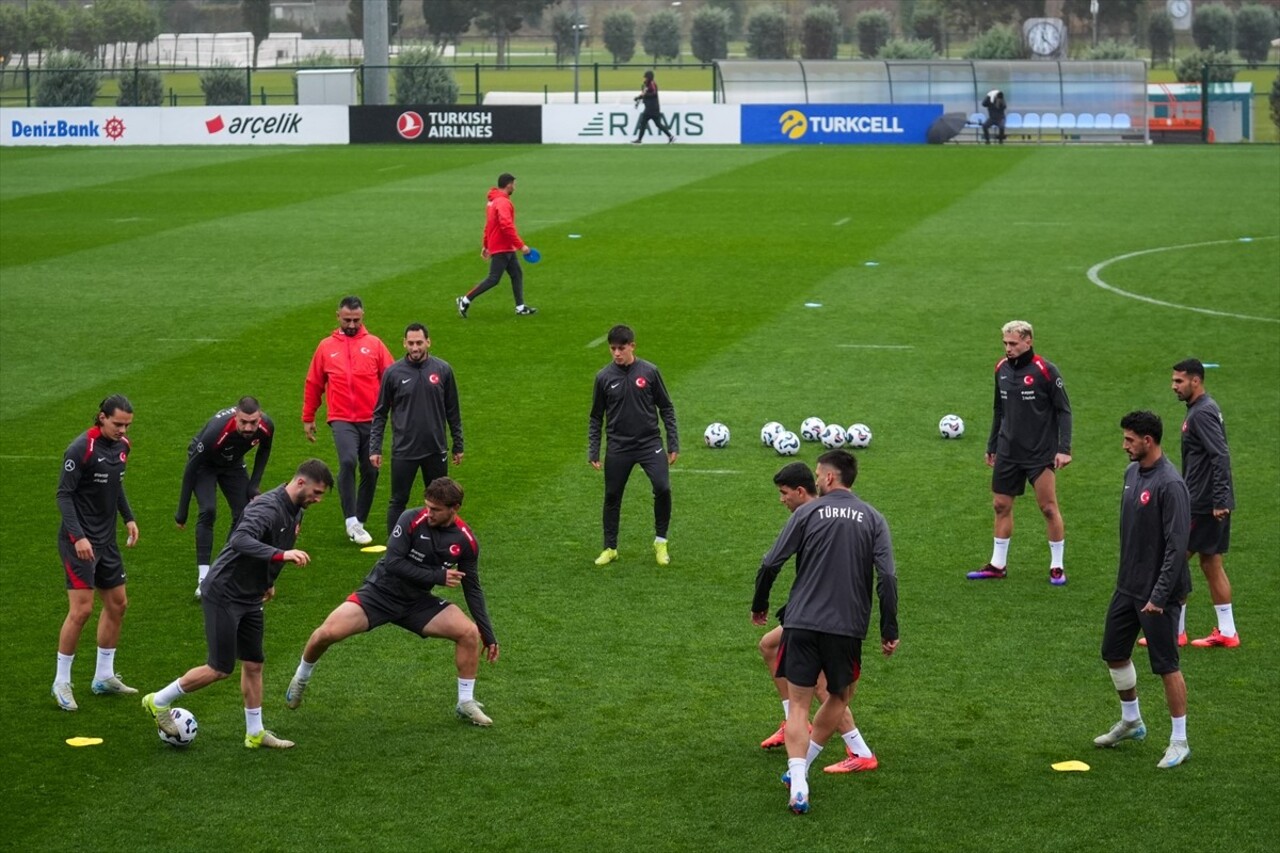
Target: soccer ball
770	431
187	727
858	435
717	435
832	436
951	426
787	443
811	429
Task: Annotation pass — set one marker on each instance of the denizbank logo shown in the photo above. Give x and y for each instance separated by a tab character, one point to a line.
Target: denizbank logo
113	129
838	124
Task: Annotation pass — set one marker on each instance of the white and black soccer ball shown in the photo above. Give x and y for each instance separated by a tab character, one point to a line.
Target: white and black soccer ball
833	436
858	435
787	443
771	431
187	727
811	429
716	435
951	426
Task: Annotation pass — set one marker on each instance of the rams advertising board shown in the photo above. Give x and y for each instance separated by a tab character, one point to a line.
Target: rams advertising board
605	124
106	127
838	124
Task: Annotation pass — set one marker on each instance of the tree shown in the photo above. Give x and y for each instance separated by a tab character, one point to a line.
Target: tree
1255	28
46	27
709	36
1001	41
620	35
564	25
980	15
736	10
1114	16
257	20
126	22
767	34
926	24
68	79
85	30
1190	68
1275	102
447	19
502	18
13	33
1213	28
820	33
874	28
422	78
1160	37
662	36
907	49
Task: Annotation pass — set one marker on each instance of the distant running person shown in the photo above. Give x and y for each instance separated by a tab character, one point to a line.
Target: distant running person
1030	441
628	397
501	247
652	111
429	546
215	459
90	496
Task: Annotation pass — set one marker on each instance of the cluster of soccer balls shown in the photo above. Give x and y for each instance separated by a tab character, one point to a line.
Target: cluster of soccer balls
832	436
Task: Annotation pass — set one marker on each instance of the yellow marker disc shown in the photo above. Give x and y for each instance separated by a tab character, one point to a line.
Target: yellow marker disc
83	741
374	549
1065	766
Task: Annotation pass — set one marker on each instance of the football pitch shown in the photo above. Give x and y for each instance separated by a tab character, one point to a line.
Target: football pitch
768	283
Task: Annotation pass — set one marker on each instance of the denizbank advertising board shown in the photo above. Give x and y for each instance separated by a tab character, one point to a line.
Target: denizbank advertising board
838	124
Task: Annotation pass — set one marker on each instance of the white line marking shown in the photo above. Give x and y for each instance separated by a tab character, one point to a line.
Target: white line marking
1098	267
1044	224
597	342
131	219
195	340
391	168
840	222
705	470
875	346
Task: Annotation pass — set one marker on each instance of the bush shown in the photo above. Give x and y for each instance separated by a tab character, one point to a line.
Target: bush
767	34
421	78
1255	28
927	24
1111	49
662	35
1213	28
820	33
1190	67
224	85
620	35
709	36
1000	42
908	49
140	88
68	79
1160	37
1275	102
874	28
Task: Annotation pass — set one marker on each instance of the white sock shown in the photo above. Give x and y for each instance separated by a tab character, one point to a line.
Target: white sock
252	720
1179	727
203	570
466	301
658	539
520	307
1226	620
1182	621
352	521
814	749
1000	553
1129	711
305	669
853	740
169	695
1055	553
786	707
466	690
799	769
106	664
64	667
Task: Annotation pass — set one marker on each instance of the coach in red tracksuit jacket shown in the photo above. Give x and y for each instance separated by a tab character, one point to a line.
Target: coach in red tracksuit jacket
347	371
501	245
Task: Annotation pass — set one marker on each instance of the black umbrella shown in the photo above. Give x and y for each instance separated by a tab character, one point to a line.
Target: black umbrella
946	127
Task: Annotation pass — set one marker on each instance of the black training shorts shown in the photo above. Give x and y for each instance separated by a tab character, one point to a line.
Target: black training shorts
233	631
413	615
104	571
1125	619
1209	535
1011	478
805	653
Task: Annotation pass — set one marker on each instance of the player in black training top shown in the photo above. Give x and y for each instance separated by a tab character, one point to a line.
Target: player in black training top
215	459
241	580
629	396
1151	584
652	111
90	496
430	546
1030	441
419	395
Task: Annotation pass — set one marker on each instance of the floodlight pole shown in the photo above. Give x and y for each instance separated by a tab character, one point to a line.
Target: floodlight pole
377	53
577	33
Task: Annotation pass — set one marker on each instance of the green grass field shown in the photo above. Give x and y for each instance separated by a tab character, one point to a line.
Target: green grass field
629	701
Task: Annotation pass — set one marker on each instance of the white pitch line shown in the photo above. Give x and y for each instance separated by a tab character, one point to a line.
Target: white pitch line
391	168
597	342
704	470
875	346
844	221
195	340
1098	267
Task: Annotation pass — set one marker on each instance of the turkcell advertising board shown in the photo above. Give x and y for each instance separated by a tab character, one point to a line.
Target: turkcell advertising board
838	124
446	124
603	124
312	125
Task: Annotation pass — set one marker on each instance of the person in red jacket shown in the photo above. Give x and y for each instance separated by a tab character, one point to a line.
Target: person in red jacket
501	243
347	371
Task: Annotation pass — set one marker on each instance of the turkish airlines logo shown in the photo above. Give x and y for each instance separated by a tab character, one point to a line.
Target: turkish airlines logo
455	549
435	379
641	382
1145	497
409	125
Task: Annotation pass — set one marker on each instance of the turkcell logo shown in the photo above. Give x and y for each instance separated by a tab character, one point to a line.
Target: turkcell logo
621	123
838	124
63	129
